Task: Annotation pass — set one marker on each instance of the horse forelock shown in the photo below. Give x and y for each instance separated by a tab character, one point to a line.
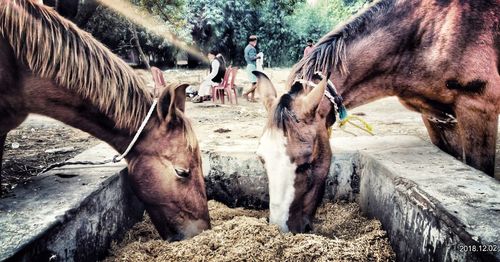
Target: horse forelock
53	47
188	131
330	53
282	112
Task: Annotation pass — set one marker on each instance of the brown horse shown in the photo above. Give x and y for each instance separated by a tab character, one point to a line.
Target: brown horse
48	66
440	57
295	151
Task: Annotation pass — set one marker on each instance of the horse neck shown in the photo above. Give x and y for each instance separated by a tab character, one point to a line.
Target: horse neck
373	55
47	99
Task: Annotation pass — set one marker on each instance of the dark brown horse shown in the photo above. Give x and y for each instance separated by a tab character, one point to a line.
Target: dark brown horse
48	66
440	57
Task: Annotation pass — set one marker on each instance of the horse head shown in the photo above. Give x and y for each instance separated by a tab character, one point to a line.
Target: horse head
75	79
295	151
165	170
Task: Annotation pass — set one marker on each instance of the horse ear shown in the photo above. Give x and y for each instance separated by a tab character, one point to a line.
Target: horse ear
172	98
313	99
180	96
266	89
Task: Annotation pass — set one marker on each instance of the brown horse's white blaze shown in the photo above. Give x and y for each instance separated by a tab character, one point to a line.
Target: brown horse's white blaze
281	175
50	67
295	151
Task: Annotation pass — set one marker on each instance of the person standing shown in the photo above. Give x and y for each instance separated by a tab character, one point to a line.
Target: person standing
251	58
308	48
216	75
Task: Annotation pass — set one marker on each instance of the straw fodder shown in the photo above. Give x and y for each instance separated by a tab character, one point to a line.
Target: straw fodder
341	234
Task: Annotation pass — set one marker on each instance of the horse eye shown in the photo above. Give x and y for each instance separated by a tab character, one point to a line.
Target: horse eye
183	173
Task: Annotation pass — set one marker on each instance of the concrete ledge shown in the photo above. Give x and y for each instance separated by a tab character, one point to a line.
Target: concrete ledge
69	214
433	207
236	178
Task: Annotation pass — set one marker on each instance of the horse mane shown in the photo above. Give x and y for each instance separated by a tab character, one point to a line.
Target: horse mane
283	114
329	54
53	47
189	134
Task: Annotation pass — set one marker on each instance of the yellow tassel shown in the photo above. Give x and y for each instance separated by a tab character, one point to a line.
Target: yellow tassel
367	127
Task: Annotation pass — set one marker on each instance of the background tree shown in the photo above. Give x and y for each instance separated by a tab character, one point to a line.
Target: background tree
283	26
120	35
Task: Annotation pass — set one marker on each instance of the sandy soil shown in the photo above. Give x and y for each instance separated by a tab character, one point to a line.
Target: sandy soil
36	144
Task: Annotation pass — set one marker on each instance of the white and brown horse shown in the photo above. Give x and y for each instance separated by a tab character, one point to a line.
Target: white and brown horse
295	151
50	67
439	57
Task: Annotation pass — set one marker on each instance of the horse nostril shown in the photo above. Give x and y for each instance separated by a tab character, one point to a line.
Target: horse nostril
176	237
308	228
183	173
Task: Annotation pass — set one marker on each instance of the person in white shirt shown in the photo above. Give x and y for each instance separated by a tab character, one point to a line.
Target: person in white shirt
216	75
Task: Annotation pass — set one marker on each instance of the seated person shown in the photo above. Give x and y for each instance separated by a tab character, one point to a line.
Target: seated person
216	75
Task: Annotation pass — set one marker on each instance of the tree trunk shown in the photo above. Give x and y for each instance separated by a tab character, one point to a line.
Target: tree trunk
135	38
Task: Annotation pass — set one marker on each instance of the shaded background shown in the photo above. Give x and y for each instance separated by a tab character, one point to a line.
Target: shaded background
283	27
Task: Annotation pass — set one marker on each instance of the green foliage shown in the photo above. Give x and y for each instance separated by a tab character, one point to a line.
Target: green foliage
312	21
282	26
115	31
224	25
109	28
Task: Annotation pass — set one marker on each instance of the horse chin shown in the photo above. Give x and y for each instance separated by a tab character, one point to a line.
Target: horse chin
175	228
194	227
300	225
174	237
282	225
188	230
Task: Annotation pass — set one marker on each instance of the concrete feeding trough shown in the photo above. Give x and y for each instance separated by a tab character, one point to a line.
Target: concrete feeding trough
69	214
433	207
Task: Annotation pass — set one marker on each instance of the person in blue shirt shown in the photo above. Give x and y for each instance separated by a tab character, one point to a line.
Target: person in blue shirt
251	58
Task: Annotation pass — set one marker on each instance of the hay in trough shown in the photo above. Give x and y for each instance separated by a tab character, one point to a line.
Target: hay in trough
341	234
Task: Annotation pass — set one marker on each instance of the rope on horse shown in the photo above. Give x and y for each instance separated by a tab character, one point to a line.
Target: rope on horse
60	164
344	117
366	126
116	158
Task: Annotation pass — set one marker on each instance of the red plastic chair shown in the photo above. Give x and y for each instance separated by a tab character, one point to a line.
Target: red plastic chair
218	90
226	87
230	87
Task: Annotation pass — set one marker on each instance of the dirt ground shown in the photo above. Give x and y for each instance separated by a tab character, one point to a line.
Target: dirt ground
36	144
340	233
215	124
